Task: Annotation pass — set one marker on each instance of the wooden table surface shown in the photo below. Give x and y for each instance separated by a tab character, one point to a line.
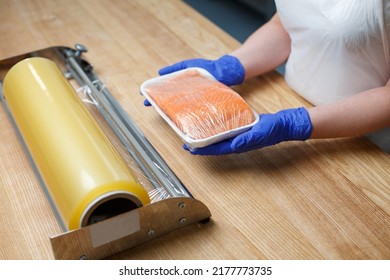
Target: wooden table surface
319	199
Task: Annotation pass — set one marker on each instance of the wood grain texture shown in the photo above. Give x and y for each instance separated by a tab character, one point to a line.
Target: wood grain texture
319	199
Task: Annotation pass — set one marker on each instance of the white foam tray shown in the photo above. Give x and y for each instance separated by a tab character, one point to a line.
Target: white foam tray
190	142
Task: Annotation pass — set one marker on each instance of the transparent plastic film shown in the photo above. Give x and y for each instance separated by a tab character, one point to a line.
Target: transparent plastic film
148	179
200	109
85	176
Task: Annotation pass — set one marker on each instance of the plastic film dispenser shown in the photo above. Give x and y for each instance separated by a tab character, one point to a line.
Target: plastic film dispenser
108	187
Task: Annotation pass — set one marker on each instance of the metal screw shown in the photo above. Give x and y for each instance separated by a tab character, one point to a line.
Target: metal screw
83	257
80	49
68	75
150	232
182	220
182	205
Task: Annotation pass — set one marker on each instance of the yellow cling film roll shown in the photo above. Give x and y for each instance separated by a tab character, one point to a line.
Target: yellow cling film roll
85	176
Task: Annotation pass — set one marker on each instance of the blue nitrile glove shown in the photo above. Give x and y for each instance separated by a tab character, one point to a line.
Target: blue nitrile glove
227	69
285	125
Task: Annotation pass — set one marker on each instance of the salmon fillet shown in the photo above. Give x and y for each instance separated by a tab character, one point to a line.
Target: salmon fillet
200	107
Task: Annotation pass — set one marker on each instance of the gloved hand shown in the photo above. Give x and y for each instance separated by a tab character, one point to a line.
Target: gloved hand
285	125
227	69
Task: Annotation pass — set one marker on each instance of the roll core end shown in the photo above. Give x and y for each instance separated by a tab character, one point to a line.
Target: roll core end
109	205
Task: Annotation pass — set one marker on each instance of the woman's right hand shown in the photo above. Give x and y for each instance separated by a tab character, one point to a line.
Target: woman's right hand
227	69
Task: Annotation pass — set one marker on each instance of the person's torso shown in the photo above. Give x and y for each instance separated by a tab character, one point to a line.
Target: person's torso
339	47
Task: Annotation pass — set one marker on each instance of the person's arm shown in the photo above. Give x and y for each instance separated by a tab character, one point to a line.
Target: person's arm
265	49
354	116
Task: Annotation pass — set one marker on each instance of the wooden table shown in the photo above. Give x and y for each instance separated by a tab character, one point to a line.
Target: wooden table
322	199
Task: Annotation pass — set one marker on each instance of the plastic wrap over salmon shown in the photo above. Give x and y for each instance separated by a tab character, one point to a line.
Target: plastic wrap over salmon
200	109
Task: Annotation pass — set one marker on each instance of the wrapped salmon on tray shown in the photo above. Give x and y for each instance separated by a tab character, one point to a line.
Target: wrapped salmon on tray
200	109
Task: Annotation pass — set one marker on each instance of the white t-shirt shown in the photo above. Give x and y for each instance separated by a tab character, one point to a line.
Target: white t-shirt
338	48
